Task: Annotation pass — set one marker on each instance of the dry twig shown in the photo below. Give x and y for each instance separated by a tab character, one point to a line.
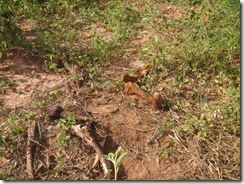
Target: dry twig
29	156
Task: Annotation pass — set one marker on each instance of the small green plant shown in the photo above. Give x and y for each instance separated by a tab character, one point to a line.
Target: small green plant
163	153
63	139
2	139
63	124
55	94
13	123
116	159
6	81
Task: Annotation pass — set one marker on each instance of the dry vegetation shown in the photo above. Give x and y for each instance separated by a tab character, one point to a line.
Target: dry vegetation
161	79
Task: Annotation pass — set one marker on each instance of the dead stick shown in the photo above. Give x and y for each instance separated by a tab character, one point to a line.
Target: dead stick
84	134
29	156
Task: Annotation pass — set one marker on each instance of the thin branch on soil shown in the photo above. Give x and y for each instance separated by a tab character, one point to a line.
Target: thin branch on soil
83	133
39	144
29	156
153	137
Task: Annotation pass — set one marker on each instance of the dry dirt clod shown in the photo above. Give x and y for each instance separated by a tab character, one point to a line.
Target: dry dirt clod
56	113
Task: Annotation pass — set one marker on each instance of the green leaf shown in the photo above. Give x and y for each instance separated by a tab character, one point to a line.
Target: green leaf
169	124
4	7
155	39
166	155
120	160
117	151
160	129
193	13
2	154
185	127
107	157
59	136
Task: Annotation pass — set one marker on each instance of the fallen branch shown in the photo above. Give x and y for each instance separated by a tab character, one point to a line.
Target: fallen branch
29	152
83	133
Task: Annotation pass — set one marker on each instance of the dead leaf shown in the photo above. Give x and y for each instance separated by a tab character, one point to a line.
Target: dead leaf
131	88
143	71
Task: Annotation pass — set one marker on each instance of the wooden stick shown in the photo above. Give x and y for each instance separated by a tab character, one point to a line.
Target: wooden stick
83	133
29	156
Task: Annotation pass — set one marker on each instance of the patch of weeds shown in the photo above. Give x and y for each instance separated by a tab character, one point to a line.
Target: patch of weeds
3	176
29	117
63	139
38	103
115	85
111	85
181	76
168	126
63	125
6	81
53	95
3	143
122	18
13	123
3	111
101	49
163	153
